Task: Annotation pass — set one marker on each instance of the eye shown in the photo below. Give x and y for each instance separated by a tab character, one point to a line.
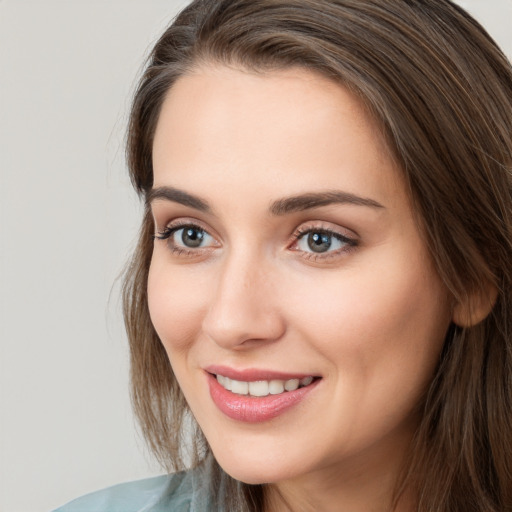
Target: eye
318	242
191	237
187	237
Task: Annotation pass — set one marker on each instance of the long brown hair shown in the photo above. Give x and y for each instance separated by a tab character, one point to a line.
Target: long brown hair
442	91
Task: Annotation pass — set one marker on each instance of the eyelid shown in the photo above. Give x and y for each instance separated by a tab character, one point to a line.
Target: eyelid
182	222
349	237
166	235
327	227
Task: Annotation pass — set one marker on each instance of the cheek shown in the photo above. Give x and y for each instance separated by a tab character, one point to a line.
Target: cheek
381	333
387	319
176	305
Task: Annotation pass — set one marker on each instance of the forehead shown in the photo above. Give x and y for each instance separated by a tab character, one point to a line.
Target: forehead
291	129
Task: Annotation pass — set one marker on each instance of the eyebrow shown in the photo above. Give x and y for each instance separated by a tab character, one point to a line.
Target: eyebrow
316	200
279	207
177	196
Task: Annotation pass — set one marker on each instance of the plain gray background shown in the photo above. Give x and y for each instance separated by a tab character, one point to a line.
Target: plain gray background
68	220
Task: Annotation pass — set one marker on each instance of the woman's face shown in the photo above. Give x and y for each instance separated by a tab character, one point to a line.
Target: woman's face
286	254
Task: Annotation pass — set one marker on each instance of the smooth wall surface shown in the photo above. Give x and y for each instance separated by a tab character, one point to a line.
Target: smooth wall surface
68	219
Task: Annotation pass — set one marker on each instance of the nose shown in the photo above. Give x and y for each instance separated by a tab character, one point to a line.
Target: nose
244	310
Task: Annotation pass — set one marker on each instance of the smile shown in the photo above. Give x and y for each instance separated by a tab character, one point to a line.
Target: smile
255	396
261	388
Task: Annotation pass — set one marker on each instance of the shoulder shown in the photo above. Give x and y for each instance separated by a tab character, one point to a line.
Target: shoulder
156	494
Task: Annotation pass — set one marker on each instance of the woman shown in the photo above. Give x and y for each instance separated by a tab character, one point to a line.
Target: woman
321	290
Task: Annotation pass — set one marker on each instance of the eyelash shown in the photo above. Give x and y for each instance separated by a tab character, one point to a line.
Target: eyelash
169	231
349	243
298	235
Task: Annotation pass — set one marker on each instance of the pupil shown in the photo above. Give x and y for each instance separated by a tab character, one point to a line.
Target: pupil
319	242
192	237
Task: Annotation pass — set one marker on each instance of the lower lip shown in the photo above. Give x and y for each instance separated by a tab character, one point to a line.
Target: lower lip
255	409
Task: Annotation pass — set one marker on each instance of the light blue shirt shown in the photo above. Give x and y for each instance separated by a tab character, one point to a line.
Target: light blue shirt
180	492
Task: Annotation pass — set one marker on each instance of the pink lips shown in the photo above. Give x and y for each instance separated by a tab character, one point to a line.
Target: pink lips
254	409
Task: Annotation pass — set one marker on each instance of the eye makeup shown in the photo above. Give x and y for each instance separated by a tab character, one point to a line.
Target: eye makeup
313	241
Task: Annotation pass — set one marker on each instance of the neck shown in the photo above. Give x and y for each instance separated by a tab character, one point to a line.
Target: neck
289	498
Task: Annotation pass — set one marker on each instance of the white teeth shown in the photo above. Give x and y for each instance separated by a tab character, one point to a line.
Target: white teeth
239	387
258	388
225	382
306	381
262	387
291	385
275	387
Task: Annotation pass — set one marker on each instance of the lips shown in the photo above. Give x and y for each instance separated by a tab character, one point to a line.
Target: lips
257	395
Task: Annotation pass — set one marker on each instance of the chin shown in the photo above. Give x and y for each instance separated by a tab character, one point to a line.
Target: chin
253	475
254	472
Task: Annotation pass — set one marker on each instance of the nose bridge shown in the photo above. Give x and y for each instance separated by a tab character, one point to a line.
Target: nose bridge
242	308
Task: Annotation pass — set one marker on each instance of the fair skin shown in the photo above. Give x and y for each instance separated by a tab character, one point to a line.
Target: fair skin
342	290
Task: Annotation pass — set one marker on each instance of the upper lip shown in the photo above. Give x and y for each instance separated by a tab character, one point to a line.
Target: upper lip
254	374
